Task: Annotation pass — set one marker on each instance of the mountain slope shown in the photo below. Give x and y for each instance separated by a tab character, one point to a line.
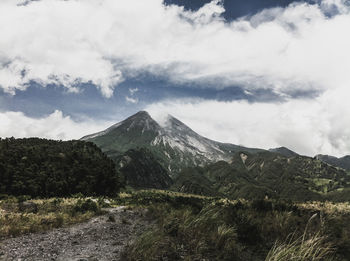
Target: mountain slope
173	144
267	174
343	162
141	170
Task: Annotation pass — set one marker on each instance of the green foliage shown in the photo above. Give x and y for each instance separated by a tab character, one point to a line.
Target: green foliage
46	168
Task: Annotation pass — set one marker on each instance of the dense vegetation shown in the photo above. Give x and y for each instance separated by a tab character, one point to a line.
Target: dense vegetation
45	168
190	227
140	169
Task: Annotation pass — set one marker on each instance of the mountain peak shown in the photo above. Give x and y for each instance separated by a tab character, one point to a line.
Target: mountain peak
140	120
173	143
141	114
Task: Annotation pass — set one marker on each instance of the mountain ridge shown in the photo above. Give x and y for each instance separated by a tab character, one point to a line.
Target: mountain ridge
266	174
343	162
284	151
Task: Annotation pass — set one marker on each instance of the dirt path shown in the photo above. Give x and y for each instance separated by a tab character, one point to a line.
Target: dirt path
99	239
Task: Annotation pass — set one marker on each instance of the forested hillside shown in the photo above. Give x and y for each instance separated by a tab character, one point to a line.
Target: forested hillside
140	169
45	168
267	174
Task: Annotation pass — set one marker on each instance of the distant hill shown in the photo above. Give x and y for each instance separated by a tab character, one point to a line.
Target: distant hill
173	144
47	168
265	174
343	162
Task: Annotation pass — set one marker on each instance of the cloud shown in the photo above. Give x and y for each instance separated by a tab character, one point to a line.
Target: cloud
307	126
132	91
54	126
300	47
131	100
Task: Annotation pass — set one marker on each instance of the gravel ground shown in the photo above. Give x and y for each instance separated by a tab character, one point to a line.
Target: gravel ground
102	238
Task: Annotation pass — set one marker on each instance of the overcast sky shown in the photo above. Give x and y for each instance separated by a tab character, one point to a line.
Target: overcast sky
259	73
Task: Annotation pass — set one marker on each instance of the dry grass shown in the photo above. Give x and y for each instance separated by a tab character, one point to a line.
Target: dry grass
47	214
174	193
313	248
308	247
327	207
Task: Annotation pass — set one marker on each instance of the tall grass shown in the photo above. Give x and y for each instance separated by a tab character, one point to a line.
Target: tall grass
219	229
312	248
308	247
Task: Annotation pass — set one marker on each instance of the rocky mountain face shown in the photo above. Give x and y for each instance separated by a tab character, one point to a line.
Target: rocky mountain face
343	162
173	144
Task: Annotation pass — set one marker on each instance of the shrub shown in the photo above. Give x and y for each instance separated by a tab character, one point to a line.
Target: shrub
86	205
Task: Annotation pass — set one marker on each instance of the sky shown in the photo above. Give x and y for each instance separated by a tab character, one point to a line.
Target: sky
258	73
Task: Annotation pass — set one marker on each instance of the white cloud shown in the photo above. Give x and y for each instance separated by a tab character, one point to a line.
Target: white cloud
54	126
307	126
131	99
69	42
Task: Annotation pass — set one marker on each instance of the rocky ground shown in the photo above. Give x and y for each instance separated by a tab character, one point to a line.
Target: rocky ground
102	238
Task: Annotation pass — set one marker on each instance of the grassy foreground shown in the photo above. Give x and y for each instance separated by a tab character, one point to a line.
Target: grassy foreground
190	227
